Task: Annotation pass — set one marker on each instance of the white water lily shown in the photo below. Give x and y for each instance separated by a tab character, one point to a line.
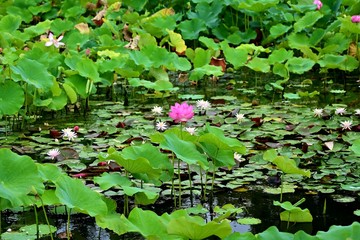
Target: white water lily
240	117
357	111
346	125
53	153
340	111
318	112
157	110
190	130
69	134
203	105
161	126
54	41
238	157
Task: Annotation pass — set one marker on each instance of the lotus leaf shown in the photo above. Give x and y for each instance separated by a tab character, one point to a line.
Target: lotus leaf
14	187
11	98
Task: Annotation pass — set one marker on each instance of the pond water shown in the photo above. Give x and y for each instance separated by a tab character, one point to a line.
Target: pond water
106	115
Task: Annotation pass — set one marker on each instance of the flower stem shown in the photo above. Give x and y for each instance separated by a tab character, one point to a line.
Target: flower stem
68	224
46	218
191	191
36	222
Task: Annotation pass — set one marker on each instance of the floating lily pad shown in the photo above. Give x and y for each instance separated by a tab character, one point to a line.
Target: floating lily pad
286	189
357	212
249	221
343	199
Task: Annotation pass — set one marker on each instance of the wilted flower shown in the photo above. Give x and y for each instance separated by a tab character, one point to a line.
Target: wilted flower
357	111
157	110
54	41
318	112
240	117
161	126
346	125
181	112
318	3
340	111
69	134
203	105
53	153
190	130
355	18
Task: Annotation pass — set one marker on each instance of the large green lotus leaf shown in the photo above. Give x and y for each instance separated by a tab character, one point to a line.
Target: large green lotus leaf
301	235
281	70
9	23
341	232
88	69
308	20
164	85
157	159
209	43
199	73
288	165
74	194
274	233
253	5
59	26
237	57
298	215
280	55
49	172
18	176
259	64
140	58
348	26
142	196
58	102
79	84
184	150
196	228
138	5
202	57
221	157
299	65
278	30
139	222
109	180
317	36
190	29
34	73
157	55
298	40
113	221
70	92
209	13
11	98
241	236
333	61
178	63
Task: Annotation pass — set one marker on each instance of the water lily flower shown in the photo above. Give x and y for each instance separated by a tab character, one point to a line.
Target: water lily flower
340	111
181	112
355	19
240	117
357	111
318	3
54	41
238	158
203	105
161	126
318	112
53	153
76	128
157	110
69	134
346	125
190	130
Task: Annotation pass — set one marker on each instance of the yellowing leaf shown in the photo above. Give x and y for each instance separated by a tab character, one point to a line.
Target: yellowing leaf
83	28
177	41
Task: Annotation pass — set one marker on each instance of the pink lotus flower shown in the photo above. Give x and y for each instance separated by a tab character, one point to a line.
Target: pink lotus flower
318	3
54	41
181	112
355	19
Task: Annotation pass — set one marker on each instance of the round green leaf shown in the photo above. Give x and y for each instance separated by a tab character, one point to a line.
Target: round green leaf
11	98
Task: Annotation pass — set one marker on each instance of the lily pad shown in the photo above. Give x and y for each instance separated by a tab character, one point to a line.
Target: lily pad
249	221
